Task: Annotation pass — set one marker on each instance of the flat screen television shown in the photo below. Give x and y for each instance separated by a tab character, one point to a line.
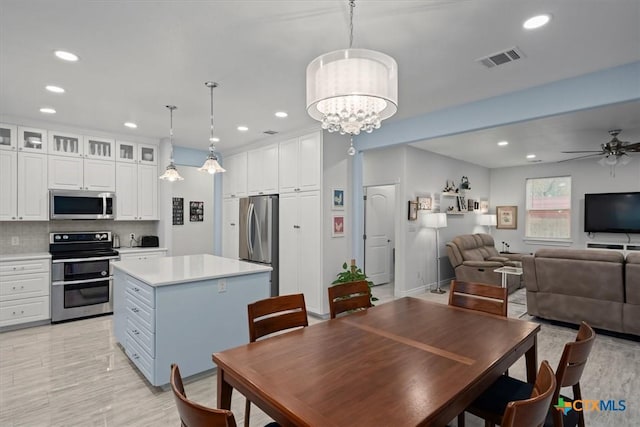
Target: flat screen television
612	213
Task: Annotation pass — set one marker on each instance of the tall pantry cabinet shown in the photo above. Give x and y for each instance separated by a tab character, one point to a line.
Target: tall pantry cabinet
300	184
23	174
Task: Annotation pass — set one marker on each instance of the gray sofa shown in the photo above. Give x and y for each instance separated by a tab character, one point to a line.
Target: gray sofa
474	257
573	285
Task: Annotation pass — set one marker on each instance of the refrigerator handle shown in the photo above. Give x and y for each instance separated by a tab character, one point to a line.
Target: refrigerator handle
248	227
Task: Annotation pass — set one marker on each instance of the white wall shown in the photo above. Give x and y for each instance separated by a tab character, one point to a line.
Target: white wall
337	172
193	237
587	176
420	173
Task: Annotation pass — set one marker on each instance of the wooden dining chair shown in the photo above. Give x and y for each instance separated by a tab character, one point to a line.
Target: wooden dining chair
491	405
479	296
271	315
193	414
349	296
532	412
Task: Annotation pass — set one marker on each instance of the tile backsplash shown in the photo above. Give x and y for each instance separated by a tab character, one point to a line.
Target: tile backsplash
34	236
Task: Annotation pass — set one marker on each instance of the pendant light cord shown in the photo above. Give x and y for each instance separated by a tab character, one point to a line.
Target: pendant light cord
211	147
352	4
171	108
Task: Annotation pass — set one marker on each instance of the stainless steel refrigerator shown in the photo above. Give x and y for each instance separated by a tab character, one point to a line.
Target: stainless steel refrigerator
259	233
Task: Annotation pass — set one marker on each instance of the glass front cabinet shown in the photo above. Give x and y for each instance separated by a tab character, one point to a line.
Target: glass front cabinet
32	140
133	152
99	148
8	137
65	144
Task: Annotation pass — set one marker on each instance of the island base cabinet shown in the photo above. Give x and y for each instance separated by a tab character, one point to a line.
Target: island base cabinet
183	323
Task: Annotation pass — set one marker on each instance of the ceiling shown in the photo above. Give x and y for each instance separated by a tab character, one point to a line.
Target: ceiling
138	56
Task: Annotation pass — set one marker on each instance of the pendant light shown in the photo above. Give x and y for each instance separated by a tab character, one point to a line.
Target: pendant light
211	165
171	173
352	90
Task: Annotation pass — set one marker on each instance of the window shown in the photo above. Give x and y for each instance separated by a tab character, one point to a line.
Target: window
548	208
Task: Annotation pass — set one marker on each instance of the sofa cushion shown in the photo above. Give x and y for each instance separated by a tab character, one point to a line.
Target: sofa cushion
581	254
632	279
633	258
591	274
468	246
486	242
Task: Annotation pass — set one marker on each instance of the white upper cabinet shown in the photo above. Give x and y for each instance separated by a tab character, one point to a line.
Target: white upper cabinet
71	173
99	148
262	170
8	185
136	191
234	180
32	187
65	144
32	140
133	152
300	163
8	137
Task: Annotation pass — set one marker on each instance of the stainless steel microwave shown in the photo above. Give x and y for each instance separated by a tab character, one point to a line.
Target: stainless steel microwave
69	204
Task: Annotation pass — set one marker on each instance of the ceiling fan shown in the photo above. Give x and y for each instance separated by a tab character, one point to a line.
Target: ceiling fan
614	152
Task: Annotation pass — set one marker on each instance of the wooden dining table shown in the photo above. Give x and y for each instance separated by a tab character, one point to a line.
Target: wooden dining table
407	362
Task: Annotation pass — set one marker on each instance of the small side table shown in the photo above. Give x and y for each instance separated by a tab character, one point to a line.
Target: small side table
506	271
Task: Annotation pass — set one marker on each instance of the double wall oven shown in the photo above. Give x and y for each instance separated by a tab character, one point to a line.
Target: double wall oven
81	274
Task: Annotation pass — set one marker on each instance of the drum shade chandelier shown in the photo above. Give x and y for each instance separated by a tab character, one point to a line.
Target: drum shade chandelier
211	165
352	90
171	173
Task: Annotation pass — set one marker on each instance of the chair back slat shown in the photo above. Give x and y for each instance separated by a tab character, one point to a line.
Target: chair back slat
532	412
276	314
349	296
193	414
479	296
574	357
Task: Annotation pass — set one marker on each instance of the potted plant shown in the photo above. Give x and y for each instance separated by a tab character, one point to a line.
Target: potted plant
353	273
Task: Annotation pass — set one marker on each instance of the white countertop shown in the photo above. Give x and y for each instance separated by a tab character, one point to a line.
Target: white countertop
189	268
25	257
128	250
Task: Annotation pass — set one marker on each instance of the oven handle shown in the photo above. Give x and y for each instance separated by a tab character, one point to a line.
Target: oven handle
77	282
99	258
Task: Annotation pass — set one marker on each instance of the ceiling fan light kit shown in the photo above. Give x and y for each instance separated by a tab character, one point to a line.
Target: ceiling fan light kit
352	90
615	152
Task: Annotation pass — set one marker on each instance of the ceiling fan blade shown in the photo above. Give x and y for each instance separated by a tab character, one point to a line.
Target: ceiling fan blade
634	147
579	157
584	151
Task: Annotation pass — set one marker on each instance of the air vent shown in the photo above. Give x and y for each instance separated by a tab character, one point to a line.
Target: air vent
501	58
270	132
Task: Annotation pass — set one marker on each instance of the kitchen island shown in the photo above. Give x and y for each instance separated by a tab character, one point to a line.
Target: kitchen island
182	309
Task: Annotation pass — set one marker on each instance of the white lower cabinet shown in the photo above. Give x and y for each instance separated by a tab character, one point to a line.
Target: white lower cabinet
301	247
141	253
136	191
230	228
77	173
24	291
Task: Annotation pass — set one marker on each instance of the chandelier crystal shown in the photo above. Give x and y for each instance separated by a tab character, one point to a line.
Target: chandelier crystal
171	173
352	90
211	165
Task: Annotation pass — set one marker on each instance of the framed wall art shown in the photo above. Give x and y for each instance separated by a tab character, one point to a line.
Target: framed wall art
337	199
337	226
425	203
507	217
413	211
178	211
196	211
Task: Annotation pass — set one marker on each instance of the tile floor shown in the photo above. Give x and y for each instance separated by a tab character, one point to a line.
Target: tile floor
74	374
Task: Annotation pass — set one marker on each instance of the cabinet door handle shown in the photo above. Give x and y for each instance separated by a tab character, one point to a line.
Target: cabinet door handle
19	217
233	224
13	217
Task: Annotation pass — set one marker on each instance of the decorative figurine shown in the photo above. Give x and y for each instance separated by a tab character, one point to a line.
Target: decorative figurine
464	183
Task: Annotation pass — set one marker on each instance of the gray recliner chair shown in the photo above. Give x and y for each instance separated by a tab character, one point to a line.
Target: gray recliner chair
474	257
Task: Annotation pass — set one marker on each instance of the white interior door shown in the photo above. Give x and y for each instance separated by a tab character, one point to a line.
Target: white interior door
194	237
379	232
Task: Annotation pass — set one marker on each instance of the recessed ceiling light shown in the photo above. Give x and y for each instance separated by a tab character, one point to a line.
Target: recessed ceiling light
54	89
536	22
531	156
503	143
131	125
243	128
47	110
281	114
214	139
66	56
